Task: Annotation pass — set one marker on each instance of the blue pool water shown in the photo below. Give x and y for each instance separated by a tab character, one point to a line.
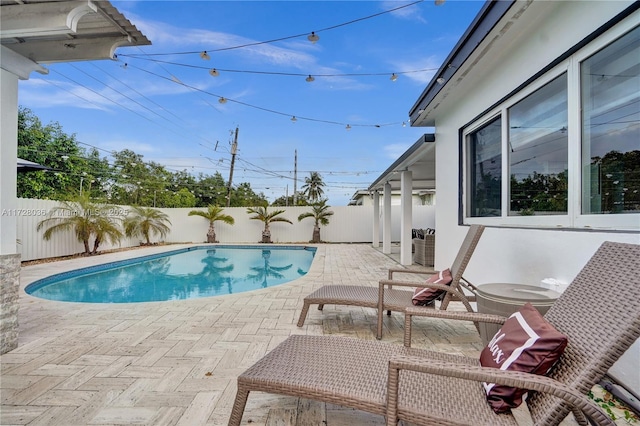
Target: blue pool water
181	274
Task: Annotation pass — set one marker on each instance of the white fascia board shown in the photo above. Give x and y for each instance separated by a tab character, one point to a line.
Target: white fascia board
19	65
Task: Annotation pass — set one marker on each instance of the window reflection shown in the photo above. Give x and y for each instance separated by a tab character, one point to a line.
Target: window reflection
538	155
486	170
610	88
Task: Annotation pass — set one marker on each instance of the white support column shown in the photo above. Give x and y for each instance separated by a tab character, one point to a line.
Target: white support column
386	224
376	219
8	160
12	68
9	258
406	186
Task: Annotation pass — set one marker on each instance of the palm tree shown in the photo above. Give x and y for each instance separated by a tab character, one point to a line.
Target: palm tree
105	228
213	214
86	219
320	213
146	220
260	213
312	187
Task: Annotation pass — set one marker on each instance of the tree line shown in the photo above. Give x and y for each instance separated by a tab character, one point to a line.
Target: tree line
128	179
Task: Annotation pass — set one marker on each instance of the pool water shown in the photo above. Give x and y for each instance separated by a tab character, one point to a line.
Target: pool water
201	271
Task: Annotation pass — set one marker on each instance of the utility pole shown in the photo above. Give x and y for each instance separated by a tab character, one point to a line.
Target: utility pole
295	179
234	149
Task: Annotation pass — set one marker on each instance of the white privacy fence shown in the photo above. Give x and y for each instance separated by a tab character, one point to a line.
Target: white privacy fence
349	224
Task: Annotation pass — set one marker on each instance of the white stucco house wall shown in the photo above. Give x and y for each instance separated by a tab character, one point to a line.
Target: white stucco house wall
536	114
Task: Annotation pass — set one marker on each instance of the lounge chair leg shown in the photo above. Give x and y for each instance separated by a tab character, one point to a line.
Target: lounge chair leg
379	331
389	313
320	306
303	314
407	330
238	407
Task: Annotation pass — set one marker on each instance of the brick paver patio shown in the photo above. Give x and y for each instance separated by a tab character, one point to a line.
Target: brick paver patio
175	363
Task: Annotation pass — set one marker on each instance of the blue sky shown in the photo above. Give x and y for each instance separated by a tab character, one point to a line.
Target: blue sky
164	104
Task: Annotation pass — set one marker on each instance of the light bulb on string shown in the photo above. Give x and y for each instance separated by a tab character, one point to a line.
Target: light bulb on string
294	119
348	127
310	79
313	37
393	77
222	100
214	72
204	55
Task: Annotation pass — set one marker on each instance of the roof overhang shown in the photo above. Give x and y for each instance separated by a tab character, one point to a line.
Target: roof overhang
456	63
29	166
46	31
420	160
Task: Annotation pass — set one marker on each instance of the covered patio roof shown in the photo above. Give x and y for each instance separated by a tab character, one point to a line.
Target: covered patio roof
46	31
420	159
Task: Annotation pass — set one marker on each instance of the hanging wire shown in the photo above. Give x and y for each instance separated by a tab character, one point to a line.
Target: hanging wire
289	74
333	27
286	114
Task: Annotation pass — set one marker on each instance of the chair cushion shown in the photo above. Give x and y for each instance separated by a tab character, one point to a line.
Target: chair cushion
426	295
525	342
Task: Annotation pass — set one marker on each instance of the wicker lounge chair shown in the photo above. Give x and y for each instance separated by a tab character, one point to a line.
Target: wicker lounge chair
437	388
386	298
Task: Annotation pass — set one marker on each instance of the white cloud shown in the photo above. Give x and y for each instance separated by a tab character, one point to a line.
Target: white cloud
409	13
122	144
168	36
295	54
394	151
430	63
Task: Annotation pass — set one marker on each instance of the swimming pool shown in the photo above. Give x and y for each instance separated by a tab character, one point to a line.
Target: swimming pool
189	273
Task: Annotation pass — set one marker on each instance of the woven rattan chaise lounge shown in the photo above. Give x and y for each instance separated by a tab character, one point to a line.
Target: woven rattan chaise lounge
386	298
432	388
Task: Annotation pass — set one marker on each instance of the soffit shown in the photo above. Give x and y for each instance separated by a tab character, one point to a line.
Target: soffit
420	160
46	31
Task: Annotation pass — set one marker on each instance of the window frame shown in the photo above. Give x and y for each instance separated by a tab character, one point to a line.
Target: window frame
574	218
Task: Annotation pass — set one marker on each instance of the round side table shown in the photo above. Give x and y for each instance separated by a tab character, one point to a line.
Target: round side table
506	298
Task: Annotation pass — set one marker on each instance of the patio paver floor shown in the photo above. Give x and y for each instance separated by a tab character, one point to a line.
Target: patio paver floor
176	363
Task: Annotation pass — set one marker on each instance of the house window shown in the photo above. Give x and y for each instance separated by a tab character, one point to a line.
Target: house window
485	172
538	151
610	89
563	151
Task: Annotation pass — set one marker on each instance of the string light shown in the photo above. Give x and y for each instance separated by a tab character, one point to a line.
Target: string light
294	119
313	37
310	79
222	100
204	55
348	127
268	109
216	71
309	36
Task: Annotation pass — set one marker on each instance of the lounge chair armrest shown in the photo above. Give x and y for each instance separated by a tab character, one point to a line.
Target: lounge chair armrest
410	271
409	312
456	315
491	375
383	283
